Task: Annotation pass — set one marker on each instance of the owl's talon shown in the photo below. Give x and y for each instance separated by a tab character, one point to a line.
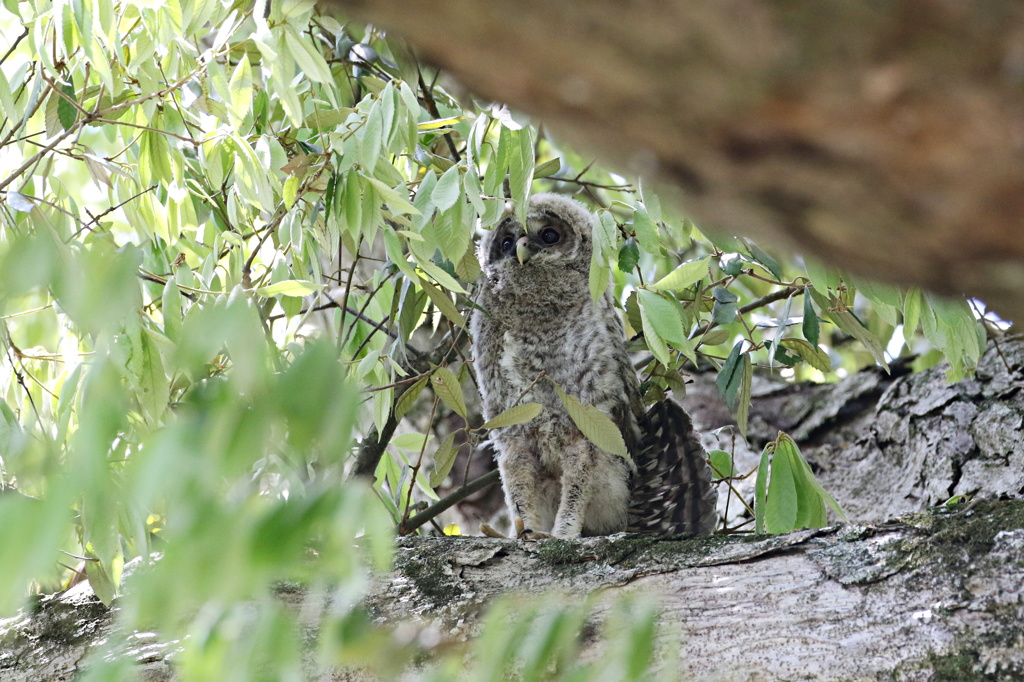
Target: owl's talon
524	533
488	531
535	535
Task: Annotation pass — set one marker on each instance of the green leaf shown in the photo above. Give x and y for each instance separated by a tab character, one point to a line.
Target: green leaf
598	279
812	496
310	61
519	414
520	166
683	277
241	91
393	247
549	167
154	158
646	231
408	398
732	264
593	423
822	277
104	579
447	190
371	140
449	232
153	386
794	499
289	287
743	395
731	376
811	329
661	321
443	303
382	402
721	464
715	337
724	313
66	111
444	459
629	255
397	201
849	324
663	316
812	355
769	263
726	306
782	505
326	119
449	390
761	488
911	313
414	442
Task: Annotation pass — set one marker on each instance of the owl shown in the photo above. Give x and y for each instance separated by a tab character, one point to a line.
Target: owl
537	325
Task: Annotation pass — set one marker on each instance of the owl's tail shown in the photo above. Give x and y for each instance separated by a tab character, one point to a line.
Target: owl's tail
672	490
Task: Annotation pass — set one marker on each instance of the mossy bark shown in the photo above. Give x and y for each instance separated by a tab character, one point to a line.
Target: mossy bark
936	595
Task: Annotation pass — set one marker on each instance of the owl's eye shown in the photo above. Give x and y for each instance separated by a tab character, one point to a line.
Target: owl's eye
550	236
506	244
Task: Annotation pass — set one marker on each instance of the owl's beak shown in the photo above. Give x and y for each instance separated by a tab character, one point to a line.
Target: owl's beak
523	250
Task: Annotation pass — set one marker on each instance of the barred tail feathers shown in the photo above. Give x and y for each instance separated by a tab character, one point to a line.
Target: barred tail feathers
672	491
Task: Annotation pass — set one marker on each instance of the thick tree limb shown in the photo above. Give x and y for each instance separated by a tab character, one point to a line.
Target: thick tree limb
931	596
884	137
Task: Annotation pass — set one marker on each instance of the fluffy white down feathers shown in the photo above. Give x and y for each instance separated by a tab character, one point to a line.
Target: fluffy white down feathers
538	324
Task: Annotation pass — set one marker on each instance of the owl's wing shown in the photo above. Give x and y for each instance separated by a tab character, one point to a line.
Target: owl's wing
672	491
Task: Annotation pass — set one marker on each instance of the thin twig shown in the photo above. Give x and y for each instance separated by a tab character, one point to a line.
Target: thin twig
431	106
419	461
743	310
17	41
447	501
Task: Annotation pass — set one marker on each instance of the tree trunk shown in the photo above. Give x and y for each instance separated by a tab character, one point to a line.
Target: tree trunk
883	137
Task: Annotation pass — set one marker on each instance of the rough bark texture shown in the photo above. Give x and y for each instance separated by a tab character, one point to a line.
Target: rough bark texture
935	596
886	444
885	137
931	596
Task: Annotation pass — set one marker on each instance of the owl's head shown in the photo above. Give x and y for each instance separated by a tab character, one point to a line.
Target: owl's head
557	234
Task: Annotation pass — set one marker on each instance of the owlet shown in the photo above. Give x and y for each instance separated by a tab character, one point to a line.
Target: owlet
538	324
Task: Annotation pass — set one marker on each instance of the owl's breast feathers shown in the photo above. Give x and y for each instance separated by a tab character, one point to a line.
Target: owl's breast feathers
580	347
537	326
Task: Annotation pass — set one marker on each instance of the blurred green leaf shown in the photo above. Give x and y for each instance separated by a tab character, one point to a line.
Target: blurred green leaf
288	287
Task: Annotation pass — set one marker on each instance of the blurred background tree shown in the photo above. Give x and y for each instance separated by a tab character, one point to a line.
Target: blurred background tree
236	265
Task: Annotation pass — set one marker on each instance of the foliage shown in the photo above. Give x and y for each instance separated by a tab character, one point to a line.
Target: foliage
237	251
787	496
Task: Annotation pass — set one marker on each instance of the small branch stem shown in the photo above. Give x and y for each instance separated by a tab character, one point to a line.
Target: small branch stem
449	500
